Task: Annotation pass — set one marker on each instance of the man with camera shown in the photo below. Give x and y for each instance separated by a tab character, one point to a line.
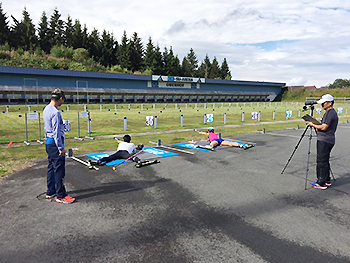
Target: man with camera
325	141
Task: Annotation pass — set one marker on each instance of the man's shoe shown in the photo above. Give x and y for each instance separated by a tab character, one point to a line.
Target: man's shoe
66	200
50	196
317	186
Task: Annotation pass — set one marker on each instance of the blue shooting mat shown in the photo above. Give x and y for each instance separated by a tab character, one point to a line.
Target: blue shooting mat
190	146
98	156
148	153
158	152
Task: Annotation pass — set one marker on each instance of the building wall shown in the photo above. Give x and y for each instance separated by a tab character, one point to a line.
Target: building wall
39	82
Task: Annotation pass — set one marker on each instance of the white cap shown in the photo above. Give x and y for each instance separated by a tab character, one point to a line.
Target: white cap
326	97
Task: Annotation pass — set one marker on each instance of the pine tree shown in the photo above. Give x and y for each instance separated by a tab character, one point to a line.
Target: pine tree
177	67
22	34
124	52
29	38
136	52
149	55
94	45
68	32
15	33
77	36
85	37
225	71
186	68
4	27
215	70
204	68
166	62
172	65
56	29
108	49
44	41
193	62
157	64
207	66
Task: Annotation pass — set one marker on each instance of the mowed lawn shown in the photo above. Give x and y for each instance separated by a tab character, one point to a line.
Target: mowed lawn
108	119
111	119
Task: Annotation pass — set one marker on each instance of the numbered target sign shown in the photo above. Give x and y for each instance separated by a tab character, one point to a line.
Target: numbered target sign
66	125
210	117
254	115
149	120
319	111
84	114
340	110
33	116
289	114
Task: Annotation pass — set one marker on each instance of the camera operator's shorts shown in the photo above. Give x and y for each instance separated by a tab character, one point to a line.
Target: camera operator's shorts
218	140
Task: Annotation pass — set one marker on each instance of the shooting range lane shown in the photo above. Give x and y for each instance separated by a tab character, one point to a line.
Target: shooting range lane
228	206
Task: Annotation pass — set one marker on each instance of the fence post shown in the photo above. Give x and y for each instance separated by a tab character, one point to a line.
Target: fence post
182	120
243	116
125	123
26	142
225	118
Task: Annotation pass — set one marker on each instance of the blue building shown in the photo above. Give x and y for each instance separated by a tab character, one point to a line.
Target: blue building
32	85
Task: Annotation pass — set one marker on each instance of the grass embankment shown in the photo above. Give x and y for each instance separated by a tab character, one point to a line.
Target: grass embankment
302	94
109	122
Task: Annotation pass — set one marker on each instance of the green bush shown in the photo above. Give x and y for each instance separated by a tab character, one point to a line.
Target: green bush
5	56
81	55
76	66
62	52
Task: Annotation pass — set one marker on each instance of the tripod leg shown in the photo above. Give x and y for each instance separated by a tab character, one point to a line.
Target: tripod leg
296	147
308	158
332	173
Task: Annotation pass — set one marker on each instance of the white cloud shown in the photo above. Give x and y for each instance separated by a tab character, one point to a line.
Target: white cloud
290	41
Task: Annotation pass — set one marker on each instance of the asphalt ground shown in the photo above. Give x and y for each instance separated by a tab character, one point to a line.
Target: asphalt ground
230	205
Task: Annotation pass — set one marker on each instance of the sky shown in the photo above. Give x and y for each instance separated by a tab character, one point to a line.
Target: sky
297	42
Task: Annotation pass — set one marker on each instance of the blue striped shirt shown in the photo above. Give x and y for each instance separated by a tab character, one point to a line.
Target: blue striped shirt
54	129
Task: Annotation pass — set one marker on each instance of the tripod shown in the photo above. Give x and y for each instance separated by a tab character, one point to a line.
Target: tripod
308	157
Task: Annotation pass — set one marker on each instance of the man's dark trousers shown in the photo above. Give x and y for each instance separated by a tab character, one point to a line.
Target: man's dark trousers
55	172
323	167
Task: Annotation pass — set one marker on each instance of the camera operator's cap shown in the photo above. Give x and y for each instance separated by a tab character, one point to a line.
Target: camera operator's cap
326	97
58	93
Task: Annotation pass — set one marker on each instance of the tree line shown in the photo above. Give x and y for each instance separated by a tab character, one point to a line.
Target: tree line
68	38
339	84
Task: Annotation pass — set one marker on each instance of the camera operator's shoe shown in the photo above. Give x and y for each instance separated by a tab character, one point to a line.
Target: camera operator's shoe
317	186
327	183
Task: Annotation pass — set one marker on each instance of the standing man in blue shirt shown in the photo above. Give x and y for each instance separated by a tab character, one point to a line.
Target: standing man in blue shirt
325	141
54	133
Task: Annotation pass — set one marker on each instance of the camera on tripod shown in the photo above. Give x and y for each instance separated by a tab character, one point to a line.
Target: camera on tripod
309	103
